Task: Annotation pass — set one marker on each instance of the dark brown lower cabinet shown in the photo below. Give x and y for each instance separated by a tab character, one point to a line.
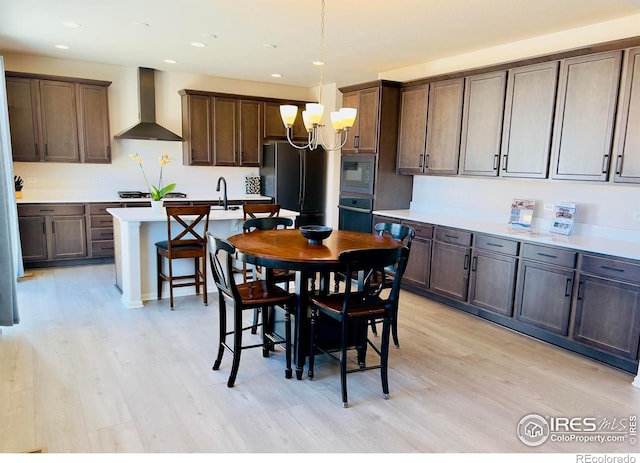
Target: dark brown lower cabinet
493	273
419	264
608	306
450	263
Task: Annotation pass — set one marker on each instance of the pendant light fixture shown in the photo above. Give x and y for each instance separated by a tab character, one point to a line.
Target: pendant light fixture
341	120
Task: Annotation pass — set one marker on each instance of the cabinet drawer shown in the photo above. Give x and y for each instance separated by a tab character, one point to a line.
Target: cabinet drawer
423	230
453	236
102	249
101	234
50	209
101	221
138	204
101	208
609	268
492	243
549	255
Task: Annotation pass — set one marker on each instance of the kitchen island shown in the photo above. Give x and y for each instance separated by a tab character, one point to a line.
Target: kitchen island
136	230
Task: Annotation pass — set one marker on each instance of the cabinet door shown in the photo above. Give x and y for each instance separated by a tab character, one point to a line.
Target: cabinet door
492	282
68	237
274	128
93	120
419	263
197	129
628	139
363	137
224	132
22	99
444	122
528	120
608	316
450	270
413	129
482	124
250	133
585	112
543	296
33	238
59	121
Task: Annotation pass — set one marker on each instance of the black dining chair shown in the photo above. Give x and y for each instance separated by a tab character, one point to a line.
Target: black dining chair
278	275
245	296
257	211
402	233
354	309
184	240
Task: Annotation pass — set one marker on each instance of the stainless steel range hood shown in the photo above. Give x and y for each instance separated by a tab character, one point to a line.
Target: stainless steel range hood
147	128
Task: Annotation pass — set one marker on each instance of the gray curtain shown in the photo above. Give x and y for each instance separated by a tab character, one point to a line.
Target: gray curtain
10	250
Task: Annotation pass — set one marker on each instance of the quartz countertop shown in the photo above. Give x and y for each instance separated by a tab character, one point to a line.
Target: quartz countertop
581	242
147	214
107	196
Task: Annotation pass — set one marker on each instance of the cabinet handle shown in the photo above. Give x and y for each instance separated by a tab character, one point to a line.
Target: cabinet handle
53	227
356	141
580	290
44	229
613	269
550	256
605	164
496	161
466	261
495	245
421	160
474	263
37	153
46	150
567	288
504	162
426	161
46	210
453	237
619	164
108	152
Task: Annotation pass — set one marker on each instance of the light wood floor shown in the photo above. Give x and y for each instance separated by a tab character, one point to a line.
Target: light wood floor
81	373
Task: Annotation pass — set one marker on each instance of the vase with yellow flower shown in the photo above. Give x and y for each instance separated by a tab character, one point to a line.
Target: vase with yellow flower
156	193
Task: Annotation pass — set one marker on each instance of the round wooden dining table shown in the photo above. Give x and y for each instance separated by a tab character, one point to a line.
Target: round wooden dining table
287	249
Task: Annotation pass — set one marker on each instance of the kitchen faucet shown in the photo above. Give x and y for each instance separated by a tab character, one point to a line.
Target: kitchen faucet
224	182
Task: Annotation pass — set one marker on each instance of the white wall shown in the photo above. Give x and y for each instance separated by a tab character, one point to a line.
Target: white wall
600	205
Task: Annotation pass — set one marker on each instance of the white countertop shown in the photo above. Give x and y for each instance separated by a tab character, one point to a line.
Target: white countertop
64	195
147	214
580	242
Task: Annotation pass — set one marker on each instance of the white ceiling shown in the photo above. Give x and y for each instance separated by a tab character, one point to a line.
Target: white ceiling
362	37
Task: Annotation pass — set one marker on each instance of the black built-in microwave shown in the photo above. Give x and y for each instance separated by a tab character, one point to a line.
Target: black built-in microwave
357	174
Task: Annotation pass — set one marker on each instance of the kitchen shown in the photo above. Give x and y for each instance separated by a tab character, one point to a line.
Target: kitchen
605	204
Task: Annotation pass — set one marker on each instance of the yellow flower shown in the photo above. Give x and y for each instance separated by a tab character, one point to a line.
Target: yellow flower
157	193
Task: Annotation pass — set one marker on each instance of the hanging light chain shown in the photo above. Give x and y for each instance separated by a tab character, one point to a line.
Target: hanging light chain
321	50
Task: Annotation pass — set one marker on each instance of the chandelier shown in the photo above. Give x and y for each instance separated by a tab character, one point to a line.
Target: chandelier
341	120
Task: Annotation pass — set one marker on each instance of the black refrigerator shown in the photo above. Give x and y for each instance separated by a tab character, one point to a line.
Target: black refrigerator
296	180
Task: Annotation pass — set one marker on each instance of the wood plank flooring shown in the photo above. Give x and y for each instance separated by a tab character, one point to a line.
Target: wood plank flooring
81	373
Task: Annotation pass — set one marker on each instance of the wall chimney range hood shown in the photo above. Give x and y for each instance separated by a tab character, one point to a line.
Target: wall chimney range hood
147	128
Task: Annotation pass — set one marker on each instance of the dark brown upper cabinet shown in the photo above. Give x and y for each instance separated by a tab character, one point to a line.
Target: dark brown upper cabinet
627	154
197	148
430	122
528	120
63	120
363	136
482	120
585	114
274	128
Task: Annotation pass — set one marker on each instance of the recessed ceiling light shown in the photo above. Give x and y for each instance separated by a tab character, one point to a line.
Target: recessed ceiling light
140	23
62	47
170	61
318	63
209	36
72	24
276	75
269	45
198	44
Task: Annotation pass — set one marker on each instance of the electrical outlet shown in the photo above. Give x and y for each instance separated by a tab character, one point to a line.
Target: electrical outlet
32	179
636	216
549	207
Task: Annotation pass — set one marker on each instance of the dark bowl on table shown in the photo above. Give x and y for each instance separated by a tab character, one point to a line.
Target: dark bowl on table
315	233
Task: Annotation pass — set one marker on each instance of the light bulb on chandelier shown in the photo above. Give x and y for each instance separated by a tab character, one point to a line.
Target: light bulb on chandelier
341	120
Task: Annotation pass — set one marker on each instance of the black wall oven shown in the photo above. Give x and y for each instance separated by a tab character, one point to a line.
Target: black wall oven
355	214
357	174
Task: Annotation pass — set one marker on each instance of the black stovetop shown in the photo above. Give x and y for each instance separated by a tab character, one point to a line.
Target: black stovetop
142	194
